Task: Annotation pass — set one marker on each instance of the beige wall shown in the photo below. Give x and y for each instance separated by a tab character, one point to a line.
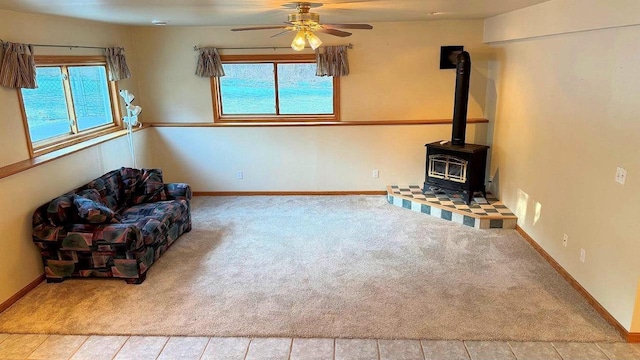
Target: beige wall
394	69
298	158
395	75
22	193
561	17
566	116
635	322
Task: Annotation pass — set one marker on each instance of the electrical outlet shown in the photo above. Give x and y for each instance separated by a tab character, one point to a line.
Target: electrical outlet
583	255
621	175
239	175
565	240
376	174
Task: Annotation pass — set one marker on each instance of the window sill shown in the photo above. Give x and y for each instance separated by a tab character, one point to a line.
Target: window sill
20	166
67	141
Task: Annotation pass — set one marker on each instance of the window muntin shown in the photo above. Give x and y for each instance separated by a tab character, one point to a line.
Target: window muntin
272	89
74	102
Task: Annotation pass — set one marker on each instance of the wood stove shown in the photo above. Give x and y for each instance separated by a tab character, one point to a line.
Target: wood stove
456	168
454	165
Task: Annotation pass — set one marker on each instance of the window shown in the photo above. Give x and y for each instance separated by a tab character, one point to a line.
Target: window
74	102
274	88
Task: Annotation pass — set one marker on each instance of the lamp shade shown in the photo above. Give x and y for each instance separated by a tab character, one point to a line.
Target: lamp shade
298	42
314	41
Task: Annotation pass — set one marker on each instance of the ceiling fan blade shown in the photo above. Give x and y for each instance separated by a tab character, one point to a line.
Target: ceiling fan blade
260	28
334	32
348	26
280	33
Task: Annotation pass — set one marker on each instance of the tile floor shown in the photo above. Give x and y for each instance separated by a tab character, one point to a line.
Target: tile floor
55	347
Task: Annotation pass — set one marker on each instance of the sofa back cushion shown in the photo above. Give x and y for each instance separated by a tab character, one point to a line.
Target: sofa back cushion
130	180
150	188
109	186
142	186
92	194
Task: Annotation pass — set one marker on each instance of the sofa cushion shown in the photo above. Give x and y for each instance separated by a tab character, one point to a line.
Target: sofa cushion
158	221
109	186
162	211
150	187
93	212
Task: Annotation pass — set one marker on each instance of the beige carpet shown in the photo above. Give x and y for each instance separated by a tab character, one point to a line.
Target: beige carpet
335	266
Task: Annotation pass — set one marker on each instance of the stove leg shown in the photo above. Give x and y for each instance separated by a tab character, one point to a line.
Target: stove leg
469	197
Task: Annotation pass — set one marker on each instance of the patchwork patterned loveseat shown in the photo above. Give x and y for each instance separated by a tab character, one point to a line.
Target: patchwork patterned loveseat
117	226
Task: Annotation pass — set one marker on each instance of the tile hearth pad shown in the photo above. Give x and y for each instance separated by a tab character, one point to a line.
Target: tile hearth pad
480	213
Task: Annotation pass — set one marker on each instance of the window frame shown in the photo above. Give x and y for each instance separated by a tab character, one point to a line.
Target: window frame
218	117
58	142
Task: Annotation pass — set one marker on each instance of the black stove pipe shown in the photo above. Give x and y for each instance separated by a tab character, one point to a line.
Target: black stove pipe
461	102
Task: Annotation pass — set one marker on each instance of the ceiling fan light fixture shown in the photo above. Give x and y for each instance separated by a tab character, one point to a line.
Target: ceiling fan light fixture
314	41
305	24
298	42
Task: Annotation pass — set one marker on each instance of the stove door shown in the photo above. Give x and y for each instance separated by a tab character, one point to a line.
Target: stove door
448	167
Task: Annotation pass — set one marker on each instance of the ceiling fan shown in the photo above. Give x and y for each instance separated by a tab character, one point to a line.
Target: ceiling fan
305	23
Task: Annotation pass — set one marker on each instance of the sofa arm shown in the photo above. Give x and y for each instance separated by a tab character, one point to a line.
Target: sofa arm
177	191
88	237
82	250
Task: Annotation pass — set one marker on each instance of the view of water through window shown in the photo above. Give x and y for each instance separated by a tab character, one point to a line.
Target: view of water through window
249	89
46	106
90	96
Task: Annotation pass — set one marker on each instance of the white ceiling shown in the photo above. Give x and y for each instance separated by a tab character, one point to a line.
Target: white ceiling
262	12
